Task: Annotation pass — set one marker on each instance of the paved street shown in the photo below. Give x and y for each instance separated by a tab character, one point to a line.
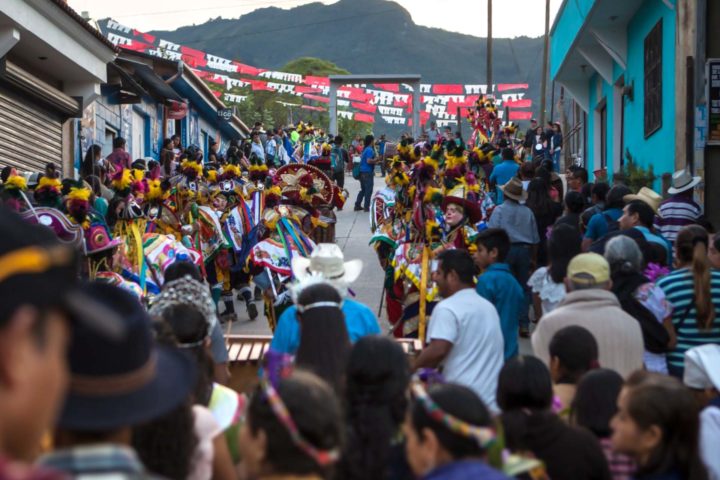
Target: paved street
352	233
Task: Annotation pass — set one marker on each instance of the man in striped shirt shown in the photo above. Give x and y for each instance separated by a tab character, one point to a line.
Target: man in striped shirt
680	209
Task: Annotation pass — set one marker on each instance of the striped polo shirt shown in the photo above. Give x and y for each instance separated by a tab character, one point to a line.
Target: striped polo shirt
678	288
675	213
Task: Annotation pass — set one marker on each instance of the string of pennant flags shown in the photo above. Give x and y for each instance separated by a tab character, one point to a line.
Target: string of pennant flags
361	102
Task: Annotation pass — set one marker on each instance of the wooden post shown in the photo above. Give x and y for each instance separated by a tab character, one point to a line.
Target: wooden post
564	125
489	48
543	83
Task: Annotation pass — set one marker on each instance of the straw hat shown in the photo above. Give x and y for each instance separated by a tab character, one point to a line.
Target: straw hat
646	195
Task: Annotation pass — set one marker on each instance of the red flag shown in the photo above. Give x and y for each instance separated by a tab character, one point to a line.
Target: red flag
390	87
364	117
243	69
520	115
310	80
145	36
318	98
502	87
258	85
522	103
136	46
400	104
316	109
217	93
303	90
365	107
448	89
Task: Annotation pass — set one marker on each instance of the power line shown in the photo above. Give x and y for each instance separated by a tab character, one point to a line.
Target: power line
219	7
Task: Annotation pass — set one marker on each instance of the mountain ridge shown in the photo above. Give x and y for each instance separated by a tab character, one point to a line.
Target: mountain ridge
364	37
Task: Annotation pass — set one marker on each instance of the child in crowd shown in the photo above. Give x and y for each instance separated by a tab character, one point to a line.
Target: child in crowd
593	407
573	352
498	285
547	283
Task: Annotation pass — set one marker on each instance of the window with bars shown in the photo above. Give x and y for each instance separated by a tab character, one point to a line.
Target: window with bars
653	80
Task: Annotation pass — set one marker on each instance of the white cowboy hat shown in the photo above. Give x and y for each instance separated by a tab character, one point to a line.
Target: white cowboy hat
327	260
682	181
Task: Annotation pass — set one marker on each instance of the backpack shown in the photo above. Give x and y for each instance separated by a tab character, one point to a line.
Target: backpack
613	226
337	162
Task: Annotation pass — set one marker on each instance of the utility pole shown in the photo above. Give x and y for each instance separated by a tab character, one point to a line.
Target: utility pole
543	83
488	68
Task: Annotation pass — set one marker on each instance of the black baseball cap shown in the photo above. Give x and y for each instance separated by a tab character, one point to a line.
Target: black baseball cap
38	270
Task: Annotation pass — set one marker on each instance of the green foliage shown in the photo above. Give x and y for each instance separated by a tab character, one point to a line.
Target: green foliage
266	107
313	66
634	175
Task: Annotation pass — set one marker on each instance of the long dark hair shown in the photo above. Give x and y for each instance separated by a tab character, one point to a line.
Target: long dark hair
691	247
324	341
564	243
595	401
668	405
460	402
166	444
538	199
524	390
190	327
88	165
316	413
378	374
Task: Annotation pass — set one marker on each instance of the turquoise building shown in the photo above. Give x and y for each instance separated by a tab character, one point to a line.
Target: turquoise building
616	59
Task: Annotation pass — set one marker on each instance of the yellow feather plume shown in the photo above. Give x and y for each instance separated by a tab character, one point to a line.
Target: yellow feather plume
79	194
16	182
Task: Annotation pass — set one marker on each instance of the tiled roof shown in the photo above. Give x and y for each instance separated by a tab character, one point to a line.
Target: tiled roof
84	23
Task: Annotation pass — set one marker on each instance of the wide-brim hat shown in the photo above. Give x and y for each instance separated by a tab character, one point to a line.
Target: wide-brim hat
122	382
472	209
327	261
682	181
98	239
514	190
647	195
291	175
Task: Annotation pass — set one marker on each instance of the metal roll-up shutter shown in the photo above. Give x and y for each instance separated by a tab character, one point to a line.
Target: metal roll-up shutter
30	137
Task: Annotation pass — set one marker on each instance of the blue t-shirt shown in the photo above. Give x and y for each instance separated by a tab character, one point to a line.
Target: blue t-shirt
381	148
503	173
597	227
464	469
659	239
498	286
367	154
359	321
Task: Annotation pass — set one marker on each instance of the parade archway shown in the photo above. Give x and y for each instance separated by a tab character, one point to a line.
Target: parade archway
413	80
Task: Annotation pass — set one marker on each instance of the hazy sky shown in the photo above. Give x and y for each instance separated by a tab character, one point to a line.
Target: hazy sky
511	18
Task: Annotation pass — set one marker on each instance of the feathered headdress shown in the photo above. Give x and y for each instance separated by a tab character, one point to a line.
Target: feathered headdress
77	203
48	192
